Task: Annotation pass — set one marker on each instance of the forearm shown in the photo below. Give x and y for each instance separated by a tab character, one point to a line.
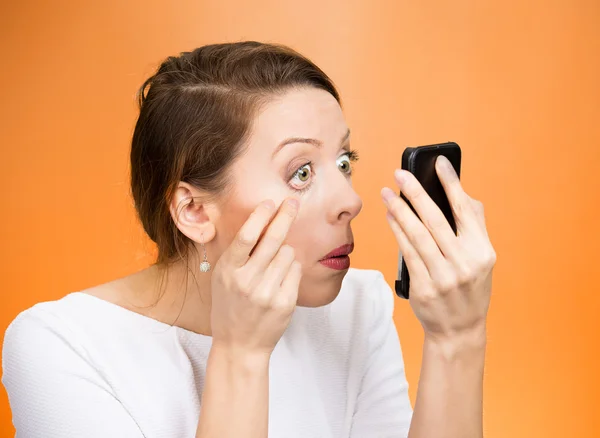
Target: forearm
450	394
235	400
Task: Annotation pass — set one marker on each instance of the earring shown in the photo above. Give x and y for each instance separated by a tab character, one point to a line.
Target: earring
205	265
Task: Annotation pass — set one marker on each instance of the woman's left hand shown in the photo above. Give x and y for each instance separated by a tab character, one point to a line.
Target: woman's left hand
450	274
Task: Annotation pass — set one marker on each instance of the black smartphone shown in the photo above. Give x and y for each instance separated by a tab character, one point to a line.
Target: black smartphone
420	161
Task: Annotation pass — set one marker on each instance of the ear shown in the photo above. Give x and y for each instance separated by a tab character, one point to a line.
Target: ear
191	216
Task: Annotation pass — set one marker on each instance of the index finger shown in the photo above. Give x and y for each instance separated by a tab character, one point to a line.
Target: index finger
248	235
459	201
271	241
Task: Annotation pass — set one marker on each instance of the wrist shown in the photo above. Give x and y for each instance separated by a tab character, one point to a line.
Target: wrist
241	359
454	346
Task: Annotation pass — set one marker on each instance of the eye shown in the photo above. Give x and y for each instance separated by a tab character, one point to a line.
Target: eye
301	178
303	173
344	162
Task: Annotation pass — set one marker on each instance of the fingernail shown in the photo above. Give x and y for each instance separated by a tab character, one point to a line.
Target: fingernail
400	175
269	204
445	162
294	203
387	194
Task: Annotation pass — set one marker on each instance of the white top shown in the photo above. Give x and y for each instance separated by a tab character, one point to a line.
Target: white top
81	367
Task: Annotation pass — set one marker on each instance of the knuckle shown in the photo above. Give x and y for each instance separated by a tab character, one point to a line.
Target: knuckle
426	298
263	302
413	191
242	284
492	257
446	284
435	223
465	275
478	207
272	239
281	304
245	290
456	186
417	234
287	252
245	239
488	259
459	207
409	257
397	210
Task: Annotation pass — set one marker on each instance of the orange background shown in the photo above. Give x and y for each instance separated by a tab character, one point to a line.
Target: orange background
514	83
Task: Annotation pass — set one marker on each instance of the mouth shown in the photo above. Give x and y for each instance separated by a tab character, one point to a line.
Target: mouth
338	259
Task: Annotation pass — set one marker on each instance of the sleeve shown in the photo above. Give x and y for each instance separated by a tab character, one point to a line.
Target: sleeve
383	408
53	390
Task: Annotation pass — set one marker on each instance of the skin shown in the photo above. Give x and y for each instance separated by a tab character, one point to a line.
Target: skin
265	240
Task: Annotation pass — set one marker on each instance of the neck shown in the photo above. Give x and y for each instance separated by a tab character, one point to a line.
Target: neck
177	294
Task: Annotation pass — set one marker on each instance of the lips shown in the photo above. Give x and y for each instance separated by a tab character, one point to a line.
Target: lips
343	250
338	258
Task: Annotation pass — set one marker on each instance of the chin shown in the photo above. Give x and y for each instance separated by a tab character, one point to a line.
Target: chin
317	292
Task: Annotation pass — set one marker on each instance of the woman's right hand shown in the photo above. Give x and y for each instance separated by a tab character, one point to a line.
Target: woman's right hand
255	282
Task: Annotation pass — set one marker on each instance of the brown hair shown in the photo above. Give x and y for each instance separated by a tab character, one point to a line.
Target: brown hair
195	116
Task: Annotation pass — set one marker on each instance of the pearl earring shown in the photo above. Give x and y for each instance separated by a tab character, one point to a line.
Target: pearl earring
205	265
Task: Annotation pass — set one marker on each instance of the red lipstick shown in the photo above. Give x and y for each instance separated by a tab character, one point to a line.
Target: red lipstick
338	258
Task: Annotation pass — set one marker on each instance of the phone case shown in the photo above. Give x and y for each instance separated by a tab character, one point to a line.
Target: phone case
420	161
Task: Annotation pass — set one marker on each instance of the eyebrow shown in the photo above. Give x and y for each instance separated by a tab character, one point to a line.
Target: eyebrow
313	141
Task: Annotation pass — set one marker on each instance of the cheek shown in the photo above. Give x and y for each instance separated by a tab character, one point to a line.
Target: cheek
235	215
238	209
303	236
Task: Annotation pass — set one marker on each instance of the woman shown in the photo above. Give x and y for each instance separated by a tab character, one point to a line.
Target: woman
251	323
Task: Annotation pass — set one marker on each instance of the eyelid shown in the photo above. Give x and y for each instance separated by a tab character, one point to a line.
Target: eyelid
352	154
305	185
295	170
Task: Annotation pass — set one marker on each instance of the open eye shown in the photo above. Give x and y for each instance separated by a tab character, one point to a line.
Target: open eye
302	176
344	162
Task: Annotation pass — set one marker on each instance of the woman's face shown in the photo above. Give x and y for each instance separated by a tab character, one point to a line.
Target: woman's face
299	147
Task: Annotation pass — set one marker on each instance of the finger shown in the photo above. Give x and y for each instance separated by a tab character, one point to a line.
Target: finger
279	267
464	216
248	235
416	267
429	213
477	207
419	237
273	237
291	283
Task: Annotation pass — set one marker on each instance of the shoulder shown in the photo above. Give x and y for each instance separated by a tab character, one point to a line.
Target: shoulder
76	327
37	331
62	316
41	347
29	322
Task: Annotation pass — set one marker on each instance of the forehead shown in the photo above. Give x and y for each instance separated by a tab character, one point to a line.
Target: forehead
305	112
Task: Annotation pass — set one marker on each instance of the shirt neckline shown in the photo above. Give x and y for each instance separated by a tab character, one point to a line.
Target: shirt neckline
147	321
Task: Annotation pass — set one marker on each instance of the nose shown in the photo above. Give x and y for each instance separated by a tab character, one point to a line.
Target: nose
344	202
